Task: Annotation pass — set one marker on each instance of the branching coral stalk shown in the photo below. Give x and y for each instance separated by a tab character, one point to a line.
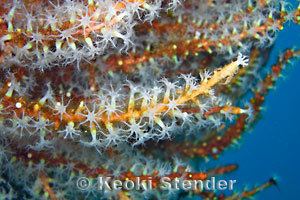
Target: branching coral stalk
230	32
214	146
157	109
47	188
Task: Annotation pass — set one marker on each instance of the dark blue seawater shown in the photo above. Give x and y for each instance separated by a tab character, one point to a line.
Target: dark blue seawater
272	147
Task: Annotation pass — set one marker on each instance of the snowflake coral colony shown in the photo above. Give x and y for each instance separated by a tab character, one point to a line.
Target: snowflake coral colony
113	88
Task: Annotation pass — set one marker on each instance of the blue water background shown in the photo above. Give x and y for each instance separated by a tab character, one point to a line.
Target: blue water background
272	147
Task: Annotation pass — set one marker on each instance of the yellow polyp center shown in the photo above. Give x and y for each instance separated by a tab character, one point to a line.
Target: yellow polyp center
36	107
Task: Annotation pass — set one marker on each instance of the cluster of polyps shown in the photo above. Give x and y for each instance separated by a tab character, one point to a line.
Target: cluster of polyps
58	34
131	114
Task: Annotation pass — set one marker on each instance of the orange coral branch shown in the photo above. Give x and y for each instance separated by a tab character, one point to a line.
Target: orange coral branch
46	186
